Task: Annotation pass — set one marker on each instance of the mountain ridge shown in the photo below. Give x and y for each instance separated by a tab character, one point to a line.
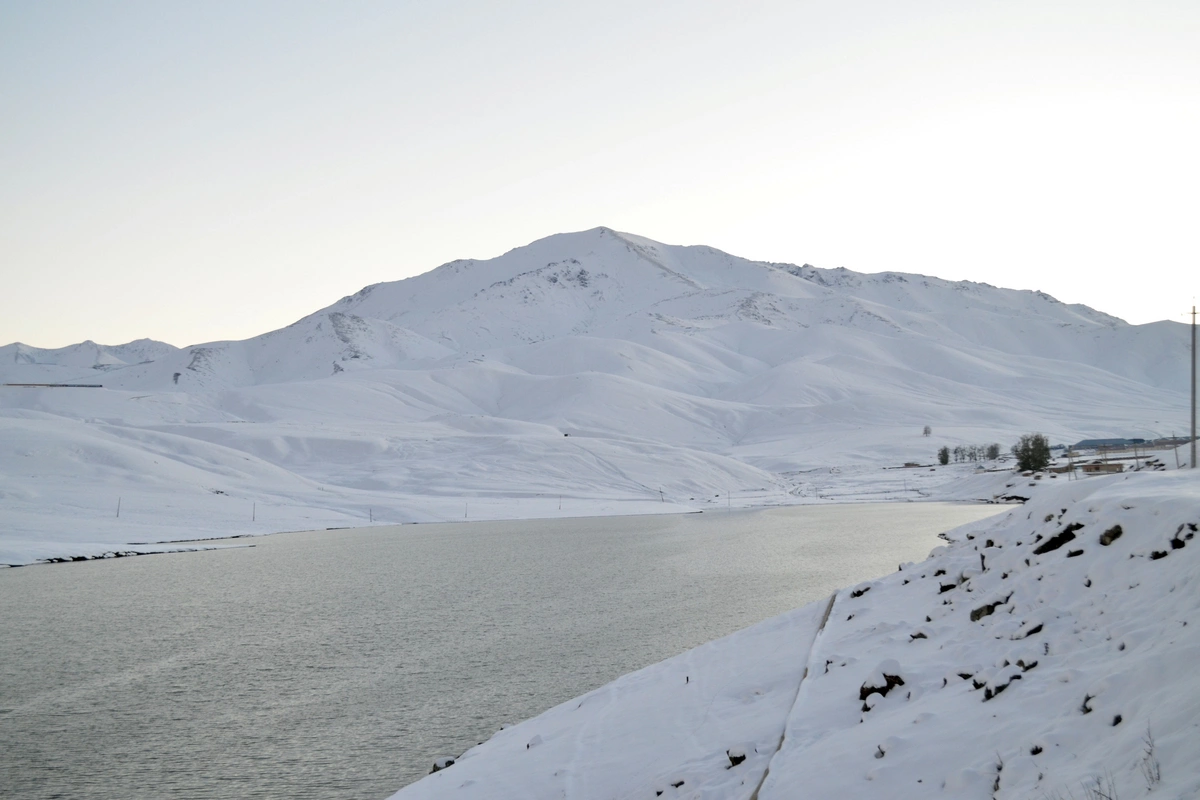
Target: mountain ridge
646	249
468	286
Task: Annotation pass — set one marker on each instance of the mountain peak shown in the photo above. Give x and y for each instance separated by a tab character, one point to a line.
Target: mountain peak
623	287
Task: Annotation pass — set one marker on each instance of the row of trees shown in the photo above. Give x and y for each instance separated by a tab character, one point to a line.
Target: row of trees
970	452
1032	452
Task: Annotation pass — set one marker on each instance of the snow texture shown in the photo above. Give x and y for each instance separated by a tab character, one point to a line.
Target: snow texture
1033	675
586	373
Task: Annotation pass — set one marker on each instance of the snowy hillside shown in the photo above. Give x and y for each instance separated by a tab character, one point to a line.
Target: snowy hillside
586	373
1048	653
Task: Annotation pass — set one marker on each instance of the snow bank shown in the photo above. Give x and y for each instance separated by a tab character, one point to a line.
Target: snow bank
1046	653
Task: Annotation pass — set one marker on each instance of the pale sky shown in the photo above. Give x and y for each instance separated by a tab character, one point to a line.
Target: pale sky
194	171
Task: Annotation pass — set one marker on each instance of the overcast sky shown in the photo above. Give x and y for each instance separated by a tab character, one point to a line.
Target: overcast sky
199	171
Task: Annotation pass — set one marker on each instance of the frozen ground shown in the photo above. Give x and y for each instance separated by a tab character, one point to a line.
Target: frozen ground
586	373
1046	653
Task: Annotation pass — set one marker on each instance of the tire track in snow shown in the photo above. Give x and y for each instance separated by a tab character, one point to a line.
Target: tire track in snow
571	783
807	666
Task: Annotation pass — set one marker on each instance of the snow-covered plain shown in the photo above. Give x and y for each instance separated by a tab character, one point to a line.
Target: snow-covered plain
1046	653
586	373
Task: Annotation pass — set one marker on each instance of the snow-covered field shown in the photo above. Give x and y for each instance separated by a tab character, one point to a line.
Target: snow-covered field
586	373
1046	653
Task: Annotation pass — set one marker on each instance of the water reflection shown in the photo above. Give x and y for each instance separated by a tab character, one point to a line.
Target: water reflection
340	664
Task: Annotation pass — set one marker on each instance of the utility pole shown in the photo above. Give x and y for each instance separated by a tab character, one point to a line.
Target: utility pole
1192	463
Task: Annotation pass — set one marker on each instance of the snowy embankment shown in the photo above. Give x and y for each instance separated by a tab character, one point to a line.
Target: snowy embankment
1047	653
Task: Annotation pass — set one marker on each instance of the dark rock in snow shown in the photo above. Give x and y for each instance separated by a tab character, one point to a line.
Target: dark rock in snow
1058	540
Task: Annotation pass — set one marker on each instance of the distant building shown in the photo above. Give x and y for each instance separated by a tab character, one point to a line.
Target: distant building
1094	444
1099	468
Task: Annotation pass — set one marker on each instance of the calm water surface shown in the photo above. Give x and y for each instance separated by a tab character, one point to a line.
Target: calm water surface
340	664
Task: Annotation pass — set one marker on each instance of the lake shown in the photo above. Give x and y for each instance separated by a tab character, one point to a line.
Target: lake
340	664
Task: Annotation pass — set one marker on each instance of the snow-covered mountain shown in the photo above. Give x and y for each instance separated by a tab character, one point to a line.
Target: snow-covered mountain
589	370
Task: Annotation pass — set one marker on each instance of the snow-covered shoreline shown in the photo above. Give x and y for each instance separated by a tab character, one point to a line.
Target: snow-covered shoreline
189	528
179	523
182	532
1047	652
